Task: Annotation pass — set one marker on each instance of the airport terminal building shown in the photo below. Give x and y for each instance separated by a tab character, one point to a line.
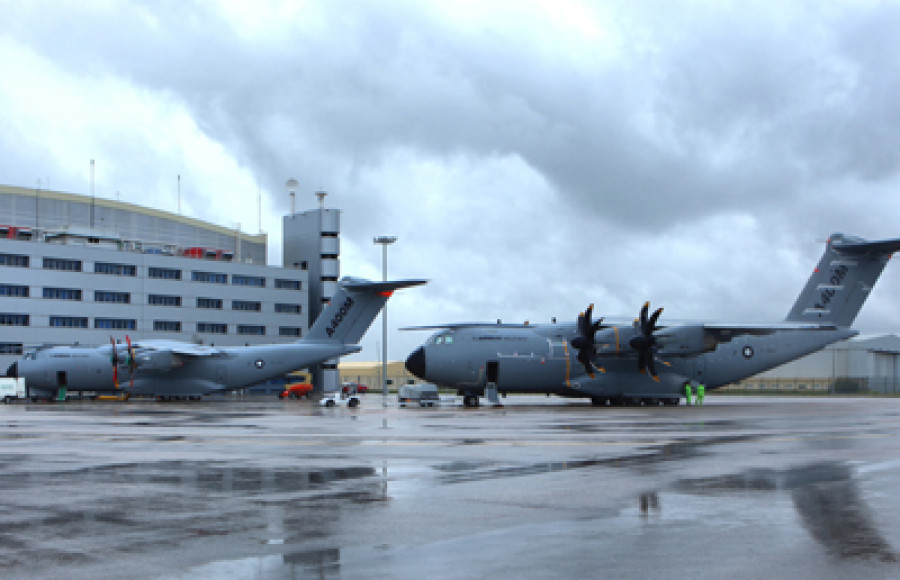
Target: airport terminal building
78	270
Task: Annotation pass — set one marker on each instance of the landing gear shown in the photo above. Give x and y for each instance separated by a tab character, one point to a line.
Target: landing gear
470	401
599	401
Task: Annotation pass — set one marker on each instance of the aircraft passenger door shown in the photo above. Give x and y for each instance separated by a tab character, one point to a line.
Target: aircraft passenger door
492	371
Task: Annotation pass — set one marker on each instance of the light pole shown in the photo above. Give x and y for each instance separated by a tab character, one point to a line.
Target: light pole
384	242
291	185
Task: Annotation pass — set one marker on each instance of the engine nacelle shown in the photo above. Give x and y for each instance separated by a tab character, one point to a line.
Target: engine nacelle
158	361
612	341
684	341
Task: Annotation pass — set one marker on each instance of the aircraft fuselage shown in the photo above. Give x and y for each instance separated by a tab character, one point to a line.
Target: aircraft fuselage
165	373
540	359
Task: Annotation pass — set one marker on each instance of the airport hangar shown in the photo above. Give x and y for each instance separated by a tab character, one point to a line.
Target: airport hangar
77	269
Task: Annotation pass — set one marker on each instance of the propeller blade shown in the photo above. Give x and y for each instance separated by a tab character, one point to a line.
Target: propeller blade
653	318
115	362
645	342
129	360
652	367
584	341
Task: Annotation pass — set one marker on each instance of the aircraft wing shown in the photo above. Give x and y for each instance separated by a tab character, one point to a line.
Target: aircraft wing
176	347
724	332
687	339
458	325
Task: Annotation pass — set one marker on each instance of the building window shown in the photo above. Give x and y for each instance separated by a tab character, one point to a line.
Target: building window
212	328
257	281
289	331
209	277
287	284
17	260
10	348
164	273
62	293
249	329
116	297
14	291
116	323
61	264
287	308
10	319
163	300
115	269
68	321
166	326
247	305
214	303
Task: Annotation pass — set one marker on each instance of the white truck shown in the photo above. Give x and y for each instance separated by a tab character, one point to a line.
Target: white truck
423	395
11	389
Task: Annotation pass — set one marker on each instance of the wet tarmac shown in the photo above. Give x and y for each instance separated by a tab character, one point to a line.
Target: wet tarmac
739	488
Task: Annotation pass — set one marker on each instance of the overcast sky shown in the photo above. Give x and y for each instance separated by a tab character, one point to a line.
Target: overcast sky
531	157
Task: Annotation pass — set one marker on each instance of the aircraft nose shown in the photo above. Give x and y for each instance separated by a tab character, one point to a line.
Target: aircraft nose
13	371
415	363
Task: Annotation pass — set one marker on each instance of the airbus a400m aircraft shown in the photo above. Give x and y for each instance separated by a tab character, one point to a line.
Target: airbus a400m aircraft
646	361
170	368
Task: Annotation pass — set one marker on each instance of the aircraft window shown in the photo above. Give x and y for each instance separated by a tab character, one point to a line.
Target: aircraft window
439	339
448	339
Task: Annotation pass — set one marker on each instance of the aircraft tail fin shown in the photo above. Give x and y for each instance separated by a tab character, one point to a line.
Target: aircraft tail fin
353	308
842	281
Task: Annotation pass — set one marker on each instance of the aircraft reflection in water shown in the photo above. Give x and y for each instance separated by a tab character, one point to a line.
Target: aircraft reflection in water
827	498
645	362
170	368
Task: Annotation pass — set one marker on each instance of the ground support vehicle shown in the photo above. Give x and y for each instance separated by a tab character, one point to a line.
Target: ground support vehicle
11	389
423	395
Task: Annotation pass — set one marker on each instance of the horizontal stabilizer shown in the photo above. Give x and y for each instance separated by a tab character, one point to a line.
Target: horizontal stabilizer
854	245
352	309
363	285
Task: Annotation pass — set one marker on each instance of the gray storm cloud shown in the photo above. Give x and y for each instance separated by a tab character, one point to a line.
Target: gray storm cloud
530	160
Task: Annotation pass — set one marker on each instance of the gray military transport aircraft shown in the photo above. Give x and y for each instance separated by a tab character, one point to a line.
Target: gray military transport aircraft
643	361
169	369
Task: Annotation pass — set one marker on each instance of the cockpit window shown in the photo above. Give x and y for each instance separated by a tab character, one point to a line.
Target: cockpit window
443	339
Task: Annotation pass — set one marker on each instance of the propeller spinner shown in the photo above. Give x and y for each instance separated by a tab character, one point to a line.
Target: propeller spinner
584	342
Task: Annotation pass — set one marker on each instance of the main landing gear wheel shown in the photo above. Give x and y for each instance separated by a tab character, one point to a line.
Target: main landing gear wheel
470	401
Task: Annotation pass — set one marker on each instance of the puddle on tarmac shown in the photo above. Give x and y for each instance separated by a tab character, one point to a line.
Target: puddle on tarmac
826	497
